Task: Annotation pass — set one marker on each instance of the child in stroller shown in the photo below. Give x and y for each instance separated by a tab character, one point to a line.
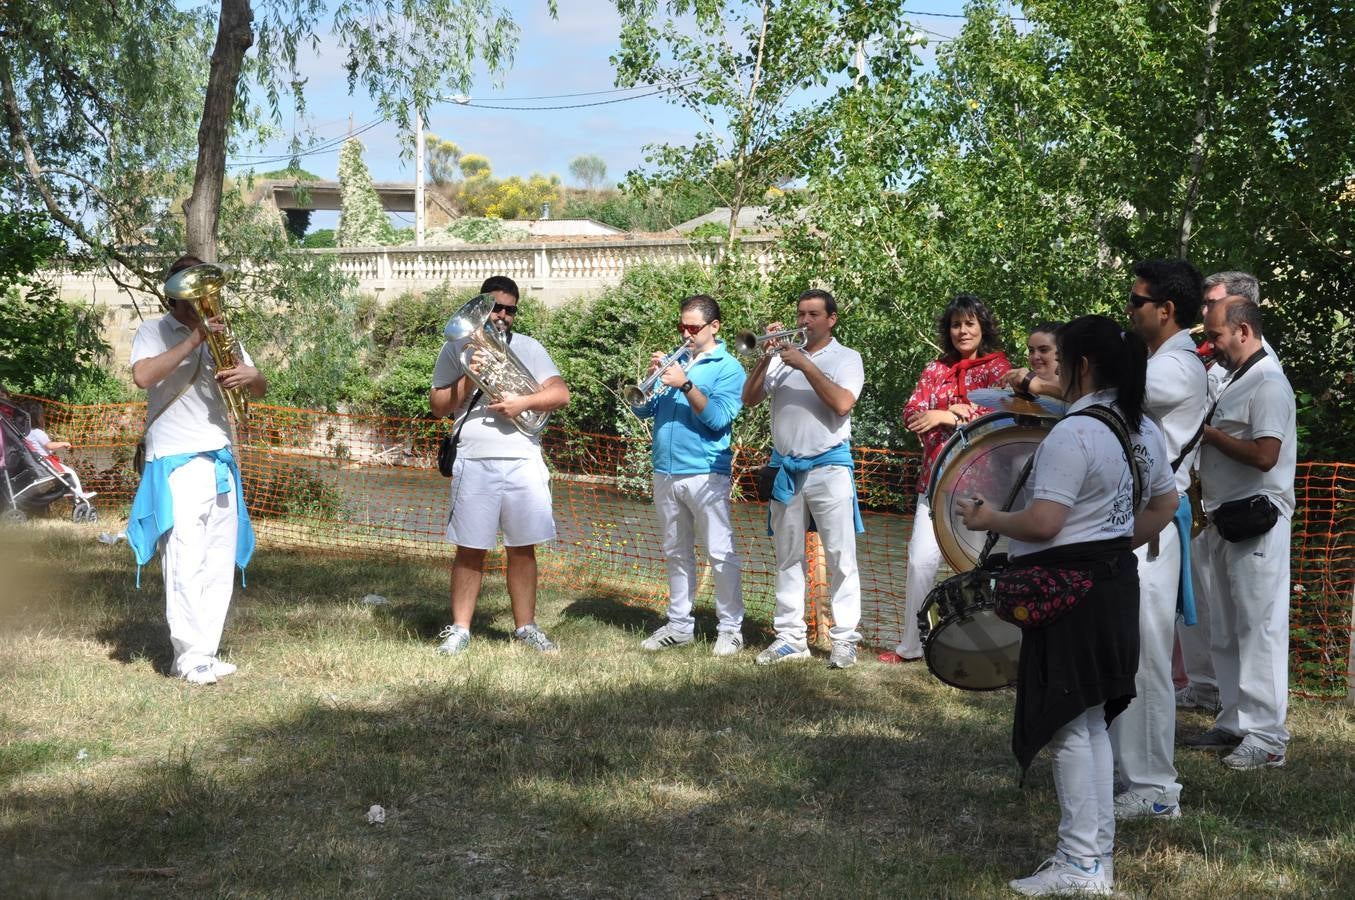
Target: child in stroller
33	478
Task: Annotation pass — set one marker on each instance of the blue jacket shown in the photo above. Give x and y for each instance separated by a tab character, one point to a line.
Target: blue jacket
689	444
152	513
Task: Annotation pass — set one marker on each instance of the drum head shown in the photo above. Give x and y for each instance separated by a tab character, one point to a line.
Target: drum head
985	457
975	651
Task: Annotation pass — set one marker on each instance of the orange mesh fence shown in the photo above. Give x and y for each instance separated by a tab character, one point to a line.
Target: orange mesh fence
369	484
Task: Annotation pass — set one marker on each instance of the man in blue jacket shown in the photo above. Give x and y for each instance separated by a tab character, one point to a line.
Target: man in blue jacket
693	411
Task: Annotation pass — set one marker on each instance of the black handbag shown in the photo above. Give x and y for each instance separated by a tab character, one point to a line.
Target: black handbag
447	446
766	477
1242	520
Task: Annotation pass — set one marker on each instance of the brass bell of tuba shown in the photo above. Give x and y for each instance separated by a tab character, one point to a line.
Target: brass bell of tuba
201	285
506	375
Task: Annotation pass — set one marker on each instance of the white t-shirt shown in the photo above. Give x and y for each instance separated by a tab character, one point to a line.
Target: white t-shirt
802	424
1177	398
37	441
197	421
1080	464
486	434
1260	404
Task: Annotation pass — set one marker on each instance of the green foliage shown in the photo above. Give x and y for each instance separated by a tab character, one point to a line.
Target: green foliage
362	220
650	210
322	238
474	165
401	388
589	171
47	347
441	159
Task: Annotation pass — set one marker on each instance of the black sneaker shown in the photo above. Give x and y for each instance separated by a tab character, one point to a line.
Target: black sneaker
1213	739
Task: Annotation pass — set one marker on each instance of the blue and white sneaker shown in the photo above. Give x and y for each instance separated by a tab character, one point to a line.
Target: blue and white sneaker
781	651
1133	805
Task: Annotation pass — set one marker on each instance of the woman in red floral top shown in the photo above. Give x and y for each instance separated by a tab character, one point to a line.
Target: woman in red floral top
971	360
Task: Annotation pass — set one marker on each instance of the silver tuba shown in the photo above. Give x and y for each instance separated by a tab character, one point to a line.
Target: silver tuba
505	375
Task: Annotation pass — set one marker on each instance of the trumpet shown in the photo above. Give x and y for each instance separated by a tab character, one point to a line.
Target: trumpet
747	343
201	285
651	387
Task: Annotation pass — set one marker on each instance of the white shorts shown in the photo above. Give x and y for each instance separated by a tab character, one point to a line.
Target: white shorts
489	495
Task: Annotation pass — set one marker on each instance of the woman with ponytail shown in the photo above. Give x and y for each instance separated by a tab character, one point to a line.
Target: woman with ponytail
1076	673
971	359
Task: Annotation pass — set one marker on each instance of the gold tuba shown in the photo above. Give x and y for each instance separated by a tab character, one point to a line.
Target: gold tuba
505	375
201	285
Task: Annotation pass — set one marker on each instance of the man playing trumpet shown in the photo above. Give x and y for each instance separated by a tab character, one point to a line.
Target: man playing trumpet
812	393
499	480
693	406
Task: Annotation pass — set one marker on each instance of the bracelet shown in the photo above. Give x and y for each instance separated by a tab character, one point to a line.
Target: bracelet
686	388
1025	382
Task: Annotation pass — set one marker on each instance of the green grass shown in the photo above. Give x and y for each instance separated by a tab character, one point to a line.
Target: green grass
603	772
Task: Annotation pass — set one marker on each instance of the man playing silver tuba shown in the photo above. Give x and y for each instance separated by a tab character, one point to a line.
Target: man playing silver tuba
499	479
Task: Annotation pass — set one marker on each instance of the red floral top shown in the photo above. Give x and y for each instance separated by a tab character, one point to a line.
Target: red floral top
943	384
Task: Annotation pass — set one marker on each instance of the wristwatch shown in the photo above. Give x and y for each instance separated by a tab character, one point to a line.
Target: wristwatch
686	388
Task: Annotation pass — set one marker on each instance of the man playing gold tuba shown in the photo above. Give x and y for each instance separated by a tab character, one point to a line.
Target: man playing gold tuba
499	479
190	493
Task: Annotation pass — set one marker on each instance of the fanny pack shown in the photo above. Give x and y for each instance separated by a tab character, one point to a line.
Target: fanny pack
1242	520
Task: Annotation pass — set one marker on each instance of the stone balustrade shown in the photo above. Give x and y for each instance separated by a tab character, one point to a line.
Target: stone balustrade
551	271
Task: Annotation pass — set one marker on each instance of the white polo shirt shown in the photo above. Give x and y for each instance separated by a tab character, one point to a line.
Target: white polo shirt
1080	465
486	434
1260	404
1177	398
1218	374
802	424
196	422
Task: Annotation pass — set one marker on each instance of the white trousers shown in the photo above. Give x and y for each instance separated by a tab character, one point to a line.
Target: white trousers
1083	776
1249	636
198	560
1195	652
1143	736
924	559
827	494
690	508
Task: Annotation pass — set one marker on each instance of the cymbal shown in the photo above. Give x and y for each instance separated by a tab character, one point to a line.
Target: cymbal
1008	401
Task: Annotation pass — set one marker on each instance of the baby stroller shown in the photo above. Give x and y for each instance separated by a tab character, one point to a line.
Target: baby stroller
32	482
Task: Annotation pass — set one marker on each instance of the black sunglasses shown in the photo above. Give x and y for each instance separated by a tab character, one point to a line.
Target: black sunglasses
1138	300
504	307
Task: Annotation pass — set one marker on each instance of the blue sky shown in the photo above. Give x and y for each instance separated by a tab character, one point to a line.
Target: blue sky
554	56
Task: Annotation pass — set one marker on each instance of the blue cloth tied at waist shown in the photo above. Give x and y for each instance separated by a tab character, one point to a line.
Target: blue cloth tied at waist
1185	593
152	514
785	486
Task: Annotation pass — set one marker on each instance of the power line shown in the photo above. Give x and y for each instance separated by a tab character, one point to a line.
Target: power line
937	15
568	106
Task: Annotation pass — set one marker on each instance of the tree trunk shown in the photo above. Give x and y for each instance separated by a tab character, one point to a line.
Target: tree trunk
202	209
1197	144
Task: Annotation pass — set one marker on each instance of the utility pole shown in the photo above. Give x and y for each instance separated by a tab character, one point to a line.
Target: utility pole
418	178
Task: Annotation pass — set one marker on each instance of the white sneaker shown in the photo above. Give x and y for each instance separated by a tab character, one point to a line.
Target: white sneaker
202	674
455	640
844	655
1251	756
1059	875
222	669
666	637
1133	805
727	643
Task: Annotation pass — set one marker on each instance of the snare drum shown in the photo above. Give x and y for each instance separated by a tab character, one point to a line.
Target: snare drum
985	457
964	642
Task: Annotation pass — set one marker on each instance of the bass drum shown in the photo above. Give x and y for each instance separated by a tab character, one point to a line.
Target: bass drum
985	457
